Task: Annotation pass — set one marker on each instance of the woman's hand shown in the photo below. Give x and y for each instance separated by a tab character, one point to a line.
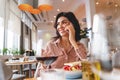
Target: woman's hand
70	29
71	32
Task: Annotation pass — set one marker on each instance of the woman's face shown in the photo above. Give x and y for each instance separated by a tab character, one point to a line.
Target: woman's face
61	25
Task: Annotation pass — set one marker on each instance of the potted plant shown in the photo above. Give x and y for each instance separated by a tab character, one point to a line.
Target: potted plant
84	36
4	51
22	51
15	51
84	33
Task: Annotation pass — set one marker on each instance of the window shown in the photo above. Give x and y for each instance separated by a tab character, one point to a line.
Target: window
10	39
1	34
26	44
13	40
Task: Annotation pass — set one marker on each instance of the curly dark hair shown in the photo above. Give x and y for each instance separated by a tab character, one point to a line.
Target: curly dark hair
71	17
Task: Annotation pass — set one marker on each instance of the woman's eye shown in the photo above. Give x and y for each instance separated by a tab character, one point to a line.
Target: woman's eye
64	22
67	23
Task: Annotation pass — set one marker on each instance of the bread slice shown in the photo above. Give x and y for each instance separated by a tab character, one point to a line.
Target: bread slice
73	63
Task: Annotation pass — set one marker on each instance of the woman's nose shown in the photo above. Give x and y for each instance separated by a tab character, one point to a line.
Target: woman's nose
61	25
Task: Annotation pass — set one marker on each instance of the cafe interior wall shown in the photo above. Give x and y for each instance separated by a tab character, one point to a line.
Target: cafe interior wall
11	16
111	10
44	34
29	36
114	34
28	33
11	24
47	28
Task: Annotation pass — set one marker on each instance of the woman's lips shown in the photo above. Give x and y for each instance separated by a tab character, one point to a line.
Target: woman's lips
62	31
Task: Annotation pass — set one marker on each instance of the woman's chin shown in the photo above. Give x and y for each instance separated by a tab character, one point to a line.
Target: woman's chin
64	35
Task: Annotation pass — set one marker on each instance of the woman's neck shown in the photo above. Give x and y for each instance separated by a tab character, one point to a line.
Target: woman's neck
65	40
65	43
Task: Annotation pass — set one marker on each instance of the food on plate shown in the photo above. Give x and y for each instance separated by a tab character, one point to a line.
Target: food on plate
74	66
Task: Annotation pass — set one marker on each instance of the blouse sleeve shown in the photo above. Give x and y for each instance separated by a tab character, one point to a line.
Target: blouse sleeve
81	51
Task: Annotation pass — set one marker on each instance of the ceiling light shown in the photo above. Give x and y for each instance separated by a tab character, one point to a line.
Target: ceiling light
28	5
97	3
54	16
58	10
116	5
36	6
25	5
45	5
63	0
51	21
35	11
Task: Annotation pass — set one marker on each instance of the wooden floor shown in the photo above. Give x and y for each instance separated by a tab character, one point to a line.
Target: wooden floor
30	79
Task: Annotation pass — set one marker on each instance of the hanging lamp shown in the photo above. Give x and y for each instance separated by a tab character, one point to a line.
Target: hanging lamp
35	11
45	5
25	5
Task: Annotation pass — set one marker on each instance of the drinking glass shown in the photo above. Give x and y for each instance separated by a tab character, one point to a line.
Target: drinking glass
46	60
90	70
52	74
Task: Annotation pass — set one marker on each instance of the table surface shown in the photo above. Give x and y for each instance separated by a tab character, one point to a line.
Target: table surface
20	62
40	79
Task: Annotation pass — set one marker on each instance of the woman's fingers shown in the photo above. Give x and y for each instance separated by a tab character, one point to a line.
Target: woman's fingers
69	27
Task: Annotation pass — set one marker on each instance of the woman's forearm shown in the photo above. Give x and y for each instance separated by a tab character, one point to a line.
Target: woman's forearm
74	44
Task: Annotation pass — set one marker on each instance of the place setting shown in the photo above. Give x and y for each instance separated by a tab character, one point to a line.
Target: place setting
70	71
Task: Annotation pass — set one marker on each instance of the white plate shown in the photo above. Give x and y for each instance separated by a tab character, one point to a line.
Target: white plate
39	78
67	78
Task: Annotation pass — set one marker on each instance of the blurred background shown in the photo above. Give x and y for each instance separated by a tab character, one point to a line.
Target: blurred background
29	29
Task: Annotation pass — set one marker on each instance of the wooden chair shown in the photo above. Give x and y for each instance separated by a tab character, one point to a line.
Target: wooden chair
18	77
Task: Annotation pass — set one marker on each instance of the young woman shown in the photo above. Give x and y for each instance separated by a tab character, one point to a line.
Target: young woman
66	45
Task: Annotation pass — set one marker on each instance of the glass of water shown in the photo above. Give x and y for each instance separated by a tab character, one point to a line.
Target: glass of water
52	74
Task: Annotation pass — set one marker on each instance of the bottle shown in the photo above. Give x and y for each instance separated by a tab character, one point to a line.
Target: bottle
116	59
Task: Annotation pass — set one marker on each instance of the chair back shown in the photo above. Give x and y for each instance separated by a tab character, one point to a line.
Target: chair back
6	72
